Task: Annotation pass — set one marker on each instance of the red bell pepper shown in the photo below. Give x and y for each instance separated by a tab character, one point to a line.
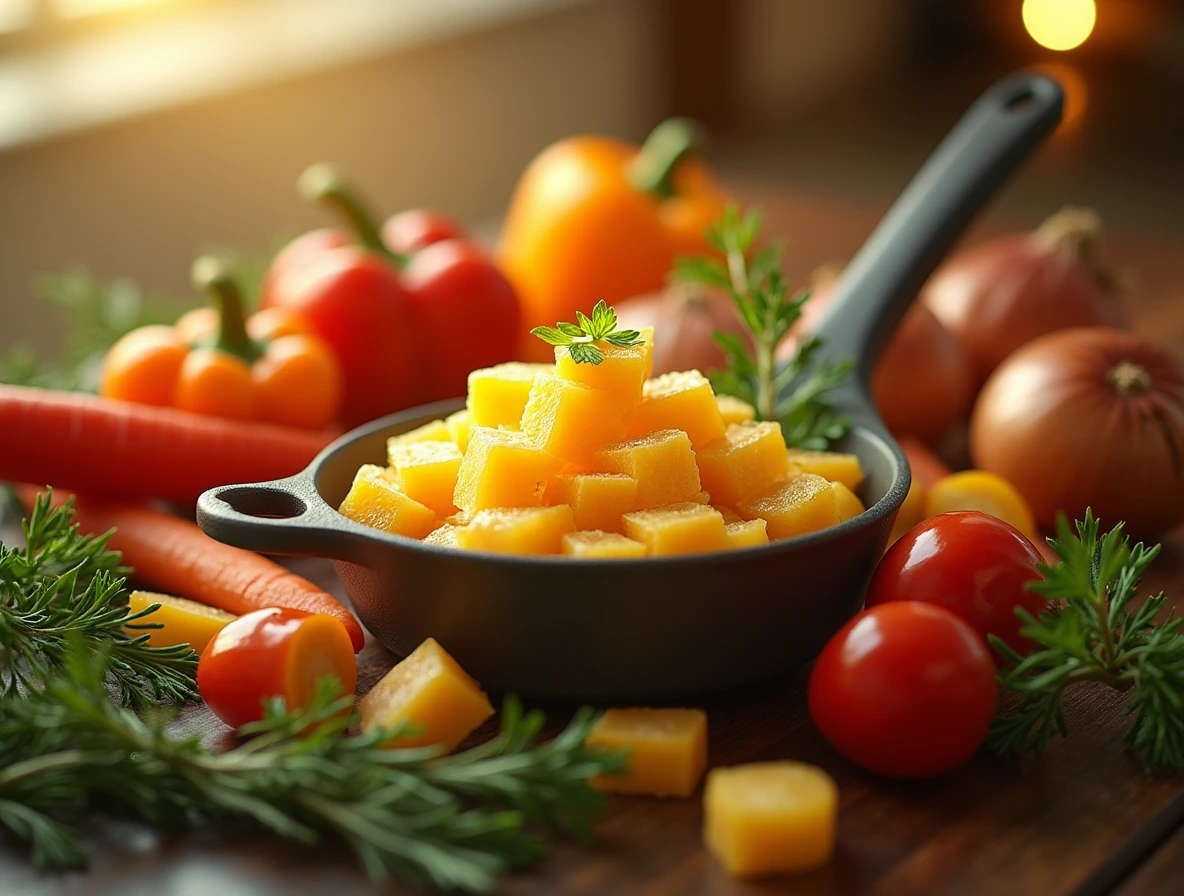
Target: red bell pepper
409	309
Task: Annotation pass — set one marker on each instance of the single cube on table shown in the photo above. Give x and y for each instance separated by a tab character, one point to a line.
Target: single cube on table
796	506
662	463
426	472
431	691
667	749
596	543
571	420
747	460
598	500
766	818
502	468
620	375
375	500
681	400
517	530
836	466
497	395
686	528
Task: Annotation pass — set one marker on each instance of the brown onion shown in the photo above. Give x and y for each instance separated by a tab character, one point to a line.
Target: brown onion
1090	417
1005	292
684	315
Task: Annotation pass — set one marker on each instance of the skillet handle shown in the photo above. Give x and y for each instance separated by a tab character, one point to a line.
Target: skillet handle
986	145
281	516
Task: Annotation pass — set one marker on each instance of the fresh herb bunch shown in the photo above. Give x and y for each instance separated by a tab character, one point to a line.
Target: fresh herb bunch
797	394
454	822
1094	635
63	584
582	336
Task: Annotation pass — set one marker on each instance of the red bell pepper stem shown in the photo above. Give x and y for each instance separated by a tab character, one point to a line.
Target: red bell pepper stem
324	183
212	276
652	169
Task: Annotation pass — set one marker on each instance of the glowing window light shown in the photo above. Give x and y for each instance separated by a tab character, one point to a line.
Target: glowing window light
1059	24
16	14
74	9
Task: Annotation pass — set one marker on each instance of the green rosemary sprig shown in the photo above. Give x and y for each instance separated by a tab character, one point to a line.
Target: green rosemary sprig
582	336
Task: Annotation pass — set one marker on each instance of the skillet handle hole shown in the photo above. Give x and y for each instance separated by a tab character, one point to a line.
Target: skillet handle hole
1020	100
263	503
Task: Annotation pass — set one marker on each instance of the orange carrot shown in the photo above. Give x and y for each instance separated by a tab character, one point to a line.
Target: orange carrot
127	452
171	554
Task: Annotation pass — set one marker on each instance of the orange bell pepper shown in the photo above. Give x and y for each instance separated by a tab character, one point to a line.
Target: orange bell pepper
267	367
594	218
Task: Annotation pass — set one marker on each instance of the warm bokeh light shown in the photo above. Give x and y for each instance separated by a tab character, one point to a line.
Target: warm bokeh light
16	14
1059	24
1076	92
73	9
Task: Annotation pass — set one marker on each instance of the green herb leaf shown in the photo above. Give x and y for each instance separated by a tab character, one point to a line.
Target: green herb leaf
582	335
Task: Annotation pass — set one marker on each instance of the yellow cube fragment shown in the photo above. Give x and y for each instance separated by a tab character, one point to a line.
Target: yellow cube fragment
662	463
767	818
681	400
833	465
445	536
426	472
846	502
598	500
746	533
747	460
734	410
459	425
647	357
502	468
571	420
667	749
374	500
181	621
435	431
687	528
620	374
796	506
430	691
595	543
497	395
517	530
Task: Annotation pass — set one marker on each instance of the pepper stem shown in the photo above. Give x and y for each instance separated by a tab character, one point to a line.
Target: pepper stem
213	277
326	184
652	169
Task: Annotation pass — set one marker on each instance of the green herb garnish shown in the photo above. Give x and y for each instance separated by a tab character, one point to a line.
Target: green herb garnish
453	822
582	336
63	585
797	394
1093	635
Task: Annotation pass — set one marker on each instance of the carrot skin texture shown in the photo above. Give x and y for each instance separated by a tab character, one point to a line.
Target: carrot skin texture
171	554
126	451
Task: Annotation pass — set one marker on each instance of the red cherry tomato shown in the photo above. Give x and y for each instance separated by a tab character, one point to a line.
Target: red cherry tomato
276	652
973	564
906	690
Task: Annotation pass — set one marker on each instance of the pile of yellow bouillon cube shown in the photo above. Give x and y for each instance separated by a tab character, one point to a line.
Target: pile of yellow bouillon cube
600	460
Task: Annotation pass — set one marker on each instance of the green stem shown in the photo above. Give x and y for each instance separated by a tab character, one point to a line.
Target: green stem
652	169
766	398
50	762
324	183
213	277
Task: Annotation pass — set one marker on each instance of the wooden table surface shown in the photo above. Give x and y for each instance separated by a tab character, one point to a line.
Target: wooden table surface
1084	819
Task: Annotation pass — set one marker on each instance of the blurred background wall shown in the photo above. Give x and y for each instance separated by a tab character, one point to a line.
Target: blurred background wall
133	138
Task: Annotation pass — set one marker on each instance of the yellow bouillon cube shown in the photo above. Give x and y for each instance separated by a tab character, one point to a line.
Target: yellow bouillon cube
667	749
596	499
620	374
430	691
766	818
570	419
517	530
647	358
596	543
426	472
662	463
497	395
435	431
748	459
686	528
445	536
459	426
796	506
846	502
181	621
683	401
374	500
734	410
502	468
746	533
833	465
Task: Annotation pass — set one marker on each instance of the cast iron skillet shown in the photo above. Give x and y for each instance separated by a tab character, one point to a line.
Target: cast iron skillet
657	629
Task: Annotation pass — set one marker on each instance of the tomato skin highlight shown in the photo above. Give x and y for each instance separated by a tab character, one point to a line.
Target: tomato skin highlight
906	690
274	652
970	563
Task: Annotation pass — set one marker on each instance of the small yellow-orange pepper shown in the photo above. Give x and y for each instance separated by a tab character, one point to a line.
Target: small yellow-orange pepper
267	367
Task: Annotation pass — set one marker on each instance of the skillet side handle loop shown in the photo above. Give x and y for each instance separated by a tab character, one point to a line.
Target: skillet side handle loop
984	148
281	516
